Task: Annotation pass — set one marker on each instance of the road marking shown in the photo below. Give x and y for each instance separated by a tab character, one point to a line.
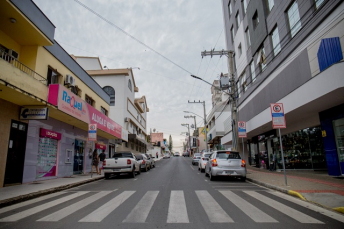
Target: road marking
214	211
56	216
104	210
19	205
230	186
297	215
140	212
206	180
177	212
135	179
192	167
323	211
254	213
32	211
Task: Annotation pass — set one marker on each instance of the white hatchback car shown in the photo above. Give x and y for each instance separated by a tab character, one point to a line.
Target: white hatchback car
203	161
225	163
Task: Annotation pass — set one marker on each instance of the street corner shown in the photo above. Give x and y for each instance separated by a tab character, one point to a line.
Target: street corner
339	209
296	194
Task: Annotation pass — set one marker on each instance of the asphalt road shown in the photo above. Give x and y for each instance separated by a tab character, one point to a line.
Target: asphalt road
172	195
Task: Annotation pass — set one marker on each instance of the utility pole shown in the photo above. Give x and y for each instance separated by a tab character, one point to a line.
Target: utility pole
196	131
205	123
187	125
229	54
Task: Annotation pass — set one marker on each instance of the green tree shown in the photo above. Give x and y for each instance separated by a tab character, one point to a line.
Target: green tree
170	143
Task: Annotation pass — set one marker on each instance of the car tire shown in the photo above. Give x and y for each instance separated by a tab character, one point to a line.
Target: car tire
206	174
202	170
132	175
243	179
107	175
199	169
211	177
146	169
139	172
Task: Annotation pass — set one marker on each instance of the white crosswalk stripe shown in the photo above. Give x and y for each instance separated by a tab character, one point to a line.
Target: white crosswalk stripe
214	211
140	212
103	211
31	211
297	215
56	216
177	212
253	212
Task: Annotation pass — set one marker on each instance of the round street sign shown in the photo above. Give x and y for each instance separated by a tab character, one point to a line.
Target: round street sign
277	108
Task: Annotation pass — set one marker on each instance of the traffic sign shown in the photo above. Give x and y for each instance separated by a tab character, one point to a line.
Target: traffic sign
92	132
242	129
277	114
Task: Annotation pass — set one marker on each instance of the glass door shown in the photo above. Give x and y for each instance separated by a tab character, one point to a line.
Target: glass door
338	126
79	152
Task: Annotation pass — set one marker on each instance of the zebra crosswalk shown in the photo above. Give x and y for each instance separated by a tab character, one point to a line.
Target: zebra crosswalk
177	207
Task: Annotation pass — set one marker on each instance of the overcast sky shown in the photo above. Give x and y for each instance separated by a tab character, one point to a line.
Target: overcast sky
178	29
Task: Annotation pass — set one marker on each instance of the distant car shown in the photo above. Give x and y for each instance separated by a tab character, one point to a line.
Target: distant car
203	161
167	155
196	158
151	159
176	154
225	163
145	164
185	154
121	162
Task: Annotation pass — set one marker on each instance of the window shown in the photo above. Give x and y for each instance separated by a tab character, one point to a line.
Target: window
261	58
52	76
129	85
244	5
111	92
275	41
270	4
255	20
318	3
103	110
247	37
253	71
238	88
294	19
229	9
89	100
237	19
232	34
239	50
243	82
76	90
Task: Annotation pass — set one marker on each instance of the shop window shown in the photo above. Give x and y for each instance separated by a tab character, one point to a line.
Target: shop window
52	76
89	100
294	19
104	111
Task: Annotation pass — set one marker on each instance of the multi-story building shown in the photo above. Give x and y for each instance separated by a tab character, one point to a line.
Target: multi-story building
290	52
47	102
125	109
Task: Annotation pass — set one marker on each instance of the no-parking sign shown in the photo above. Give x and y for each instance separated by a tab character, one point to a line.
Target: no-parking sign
242	129
92	132
277	114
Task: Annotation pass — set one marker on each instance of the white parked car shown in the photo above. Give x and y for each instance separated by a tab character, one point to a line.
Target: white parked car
225	163
203	161
121	162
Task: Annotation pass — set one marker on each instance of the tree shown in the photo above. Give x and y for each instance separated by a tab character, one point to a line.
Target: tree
170	143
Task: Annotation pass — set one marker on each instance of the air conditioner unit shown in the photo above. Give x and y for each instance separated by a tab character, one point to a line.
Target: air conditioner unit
13	53
70	80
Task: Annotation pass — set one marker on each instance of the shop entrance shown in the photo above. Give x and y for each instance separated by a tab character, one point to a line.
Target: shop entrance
338	126
79	155
16	153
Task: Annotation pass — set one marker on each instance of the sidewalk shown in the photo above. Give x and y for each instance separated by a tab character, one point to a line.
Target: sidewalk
312	186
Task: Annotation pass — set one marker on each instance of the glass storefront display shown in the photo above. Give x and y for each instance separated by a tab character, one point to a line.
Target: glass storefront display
302	149
339	137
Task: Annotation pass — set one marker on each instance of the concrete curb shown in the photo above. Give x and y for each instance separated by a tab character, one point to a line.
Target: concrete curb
268	185
293	193
21	198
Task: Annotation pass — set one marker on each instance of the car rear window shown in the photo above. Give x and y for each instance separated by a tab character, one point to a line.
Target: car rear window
228	155
122	155
207	155
138	156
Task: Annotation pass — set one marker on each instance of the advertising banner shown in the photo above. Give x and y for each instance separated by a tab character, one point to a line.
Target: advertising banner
277	114
242	129
73	105
34	113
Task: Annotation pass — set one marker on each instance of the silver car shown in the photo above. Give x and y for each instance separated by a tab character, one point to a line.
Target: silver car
196	158
225	163
145	164
151	159
203	161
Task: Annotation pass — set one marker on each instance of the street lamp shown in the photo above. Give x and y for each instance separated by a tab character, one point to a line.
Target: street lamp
205	125
187	125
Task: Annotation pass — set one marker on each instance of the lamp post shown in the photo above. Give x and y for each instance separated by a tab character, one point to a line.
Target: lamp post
196	135
187	125
205	125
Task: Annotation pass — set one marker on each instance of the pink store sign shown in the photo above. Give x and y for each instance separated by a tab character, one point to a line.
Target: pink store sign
73	105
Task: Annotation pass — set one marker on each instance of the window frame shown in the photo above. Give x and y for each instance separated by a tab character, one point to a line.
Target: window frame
296	26
253	71
247	37
130	85
237	20
229	9
269	5
57	75
244	6
89	100
104	111
275	47
255	19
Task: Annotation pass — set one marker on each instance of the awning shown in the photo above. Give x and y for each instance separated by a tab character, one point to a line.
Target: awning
100	146
137	140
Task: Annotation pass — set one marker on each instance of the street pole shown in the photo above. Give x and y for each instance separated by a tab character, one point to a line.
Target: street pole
205	123
229	54
189	134
196	135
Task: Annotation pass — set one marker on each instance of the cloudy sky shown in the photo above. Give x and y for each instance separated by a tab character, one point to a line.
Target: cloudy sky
163	38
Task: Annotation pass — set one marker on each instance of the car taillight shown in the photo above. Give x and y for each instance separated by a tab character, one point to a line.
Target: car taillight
243	163
104	162
214	163
143	162
194	157
128	162
203	158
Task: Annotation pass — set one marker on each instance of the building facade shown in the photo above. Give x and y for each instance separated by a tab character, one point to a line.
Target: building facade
47	102
289	52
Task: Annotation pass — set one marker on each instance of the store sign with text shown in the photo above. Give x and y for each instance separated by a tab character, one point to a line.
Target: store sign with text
73	105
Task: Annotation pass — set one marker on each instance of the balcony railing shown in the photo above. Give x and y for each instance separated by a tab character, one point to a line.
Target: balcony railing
22	67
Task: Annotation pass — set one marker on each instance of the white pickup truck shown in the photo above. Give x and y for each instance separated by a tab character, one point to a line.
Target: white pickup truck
121	162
